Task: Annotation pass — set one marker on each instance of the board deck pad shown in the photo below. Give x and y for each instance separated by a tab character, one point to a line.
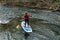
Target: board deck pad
26	28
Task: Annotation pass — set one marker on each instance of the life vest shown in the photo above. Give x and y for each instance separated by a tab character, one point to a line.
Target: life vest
26	16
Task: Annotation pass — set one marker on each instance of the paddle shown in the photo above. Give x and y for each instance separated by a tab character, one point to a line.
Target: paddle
17	26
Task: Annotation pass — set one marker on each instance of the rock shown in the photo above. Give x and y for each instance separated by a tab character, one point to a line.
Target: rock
4	21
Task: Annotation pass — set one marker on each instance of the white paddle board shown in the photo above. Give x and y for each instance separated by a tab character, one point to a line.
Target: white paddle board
26	28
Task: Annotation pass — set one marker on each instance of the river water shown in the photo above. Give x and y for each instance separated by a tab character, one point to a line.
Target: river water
45	24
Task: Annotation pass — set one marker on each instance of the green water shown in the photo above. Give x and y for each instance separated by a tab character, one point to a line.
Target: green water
45	24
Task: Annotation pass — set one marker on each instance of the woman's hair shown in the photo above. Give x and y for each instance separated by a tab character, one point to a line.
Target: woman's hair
26	13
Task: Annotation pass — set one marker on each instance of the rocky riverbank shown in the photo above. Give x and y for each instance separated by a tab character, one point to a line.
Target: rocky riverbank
37	5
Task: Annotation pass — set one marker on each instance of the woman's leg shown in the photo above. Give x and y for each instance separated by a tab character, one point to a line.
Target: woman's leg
25	22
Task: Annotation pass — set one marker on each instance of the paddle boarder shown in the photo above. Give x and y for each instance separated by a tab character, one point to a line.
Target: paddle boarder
26	18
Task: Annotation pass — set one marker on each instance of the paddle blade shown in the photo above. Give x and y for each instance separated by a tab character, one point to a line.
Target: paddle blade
17	26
